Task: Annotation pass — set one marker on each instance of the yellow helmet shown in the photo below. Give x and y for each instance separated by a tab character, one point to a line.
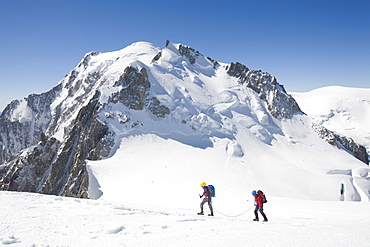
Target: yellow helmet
203	184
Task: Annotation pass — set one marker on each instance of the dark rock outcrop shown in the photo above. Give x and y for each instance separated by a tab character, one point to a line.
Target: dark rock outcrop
190	53
135	92
28	171
68	175
279	102
58	168
135	88
17	134
34	161
85	61
343	142
157	57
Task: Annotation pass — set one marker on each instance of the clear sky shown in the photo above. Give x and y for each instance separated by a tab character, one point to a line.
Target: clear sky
305	44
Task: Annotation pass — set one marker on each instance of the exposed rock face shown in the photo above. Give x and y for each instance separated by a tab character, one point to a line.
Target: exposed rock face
135	92
58	168
35	161
155	107
190	53
157	57
28	171
344	142
22	123
135	86
87	58
68	175
279	103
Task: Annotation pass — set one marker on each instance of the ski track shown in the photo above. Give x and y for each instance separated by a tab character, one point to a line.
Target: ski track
40	220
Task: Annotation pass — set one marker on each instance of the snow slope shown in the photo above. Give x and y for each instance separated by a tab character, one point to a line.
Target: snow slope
40	220
341	109
153	170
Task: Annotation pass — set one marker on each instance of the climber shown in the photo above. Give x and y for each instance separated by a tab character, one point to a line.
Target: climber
207	198
259	206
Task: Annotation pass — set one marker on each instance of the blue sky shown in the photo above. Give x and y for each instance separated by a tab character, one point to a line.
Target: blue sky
305	44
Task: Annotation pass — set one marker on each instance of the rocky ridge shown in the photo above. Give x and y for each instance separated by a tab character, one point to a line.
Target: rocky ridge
279	102
342	142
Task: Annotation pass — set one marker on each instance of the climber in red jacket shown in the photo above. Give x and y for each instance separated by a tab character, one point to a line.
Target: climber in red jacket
259	206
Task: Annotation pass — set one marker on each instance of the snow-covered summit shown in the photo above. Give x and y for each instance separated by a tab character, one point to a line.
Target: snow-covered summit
151	116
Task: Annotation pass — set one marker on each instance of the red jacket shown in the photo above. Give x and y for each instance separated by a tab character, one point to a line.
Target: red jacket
258	201
205	191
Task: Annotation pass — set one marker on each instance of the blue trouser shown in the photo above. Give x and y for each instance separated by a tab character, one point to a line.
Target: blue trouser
209	200
261	211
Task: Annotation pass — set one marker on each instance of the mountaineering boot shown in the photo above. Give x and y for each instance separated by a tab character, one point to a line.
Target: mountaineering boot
201	213
265	220
255	219
210	214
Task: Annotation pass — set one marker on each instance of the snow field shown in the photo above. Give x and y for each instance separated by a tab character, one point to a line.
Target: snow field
165	174
341	109
149	169
42	220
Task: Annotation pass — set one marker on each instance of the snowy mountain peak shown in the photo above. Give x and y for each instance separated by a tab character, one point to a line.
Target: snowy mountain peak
148	106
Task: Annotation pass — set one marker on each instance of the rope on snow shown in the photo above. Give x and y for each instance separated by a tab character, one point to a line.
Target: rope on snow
234	215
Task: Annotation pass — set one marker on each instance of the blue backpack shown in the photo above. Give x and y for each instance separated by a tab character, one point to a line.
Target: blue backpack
212	189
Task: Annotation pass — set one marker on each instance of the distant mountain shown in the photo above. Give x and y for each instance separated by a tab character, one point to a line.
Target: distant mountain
145	117
341	109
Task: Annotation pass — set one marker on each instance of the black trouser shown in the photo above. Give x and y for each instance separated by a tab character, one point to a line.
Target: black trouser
209	200
261	211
